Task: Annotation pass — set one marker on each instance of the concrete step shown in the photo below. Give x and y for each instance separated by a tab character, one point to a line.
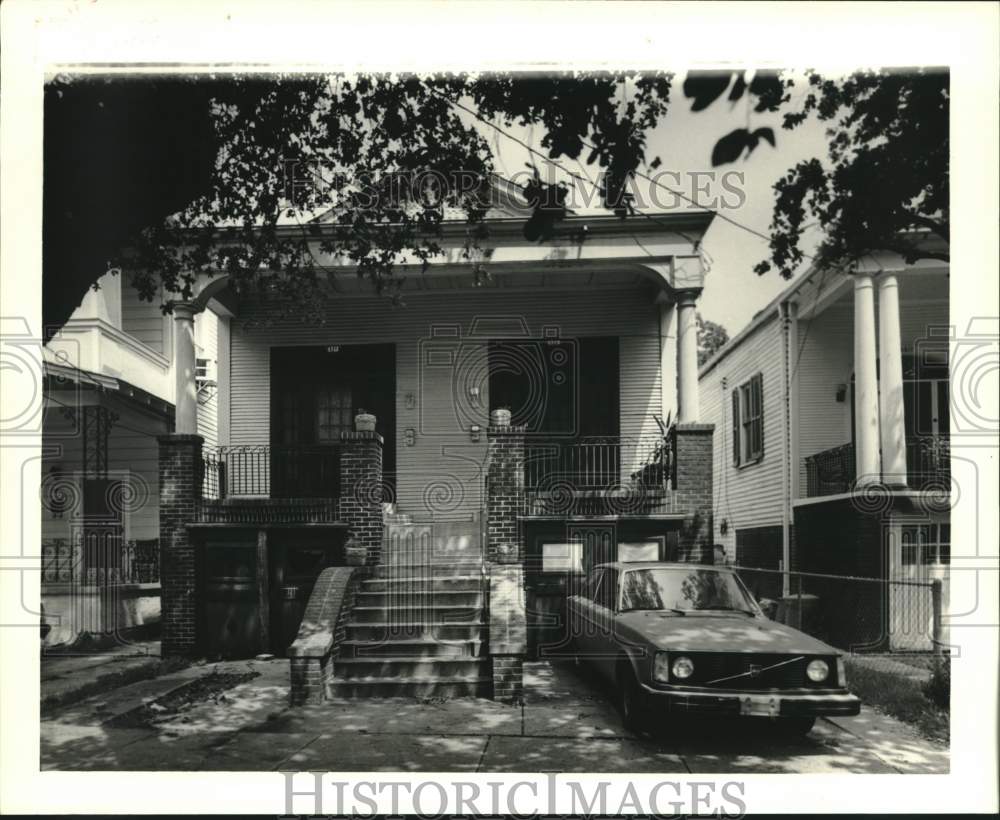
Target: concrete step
406	669
423	584
412	569
414	687
431	612
411	647
417	596
386	631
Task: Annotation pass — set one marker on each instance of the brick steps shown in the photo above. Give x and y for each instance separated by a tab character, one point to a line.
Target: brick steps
426	630
418	597
423	569
384	667
399	612
471	686
412	647
424	582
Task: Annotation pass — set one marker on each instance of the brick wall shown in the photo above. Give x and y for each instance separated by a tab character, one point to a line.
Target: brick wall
693	482
180	491
361	489
323	626
508	678
504	490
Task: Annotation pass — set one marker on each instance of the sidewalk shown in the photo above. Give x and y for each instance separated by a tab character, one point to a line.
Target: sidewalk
567	724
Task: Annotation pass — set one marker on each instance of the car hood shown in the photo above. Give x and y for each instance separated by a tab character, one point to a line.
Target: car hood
720	633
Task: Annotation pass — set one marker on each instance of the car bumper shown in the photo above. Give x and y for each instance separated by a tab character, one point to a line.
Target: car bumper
736	703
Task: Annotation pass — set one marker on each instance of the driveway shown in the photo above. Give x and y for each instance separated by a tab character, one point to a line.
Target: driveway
565	725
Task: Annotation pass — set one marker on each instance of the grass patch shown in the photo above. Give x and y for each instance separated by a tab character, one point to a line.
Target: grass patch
901	697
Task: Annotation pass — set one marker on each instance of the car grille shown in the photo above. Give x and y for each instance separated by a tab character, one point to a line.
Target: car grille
710	667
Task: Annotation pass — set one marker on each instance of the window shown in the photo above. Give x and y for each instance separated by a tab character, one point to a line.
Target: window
748	421
334	413
926	544
566	557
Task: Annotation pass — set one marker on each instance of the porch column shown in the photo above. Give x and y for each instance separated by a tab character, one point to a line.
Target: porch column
186	392
891	412
687	358
866	423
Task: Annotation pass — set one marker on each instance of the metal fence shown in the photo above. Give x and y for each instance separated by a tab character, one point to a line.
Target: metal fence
101	559
596	463
271	471
883	623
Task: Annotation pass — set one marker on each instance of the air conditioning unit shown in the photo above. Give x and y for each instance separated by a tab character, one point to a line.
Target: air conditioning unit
204	373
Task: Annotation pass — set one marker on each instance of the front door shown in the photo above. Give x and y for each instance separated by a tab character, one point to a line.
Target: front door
315	394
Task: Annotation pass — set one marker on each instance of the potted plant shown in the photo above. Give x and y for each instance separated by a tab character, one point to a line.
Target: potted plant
500	417
364	422
355	553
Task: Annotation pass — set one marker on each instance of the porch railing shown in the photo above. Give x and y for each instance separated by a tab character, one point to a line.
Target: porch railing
101	558
597	463
271	471
833	471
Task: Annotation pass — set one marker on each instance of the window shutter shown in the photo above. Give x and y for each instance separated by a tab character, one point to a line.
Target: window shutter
736	426
758	403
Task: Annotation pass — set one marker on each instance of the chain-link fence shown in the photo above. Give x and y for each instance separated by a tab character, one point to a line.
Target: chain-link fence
886	625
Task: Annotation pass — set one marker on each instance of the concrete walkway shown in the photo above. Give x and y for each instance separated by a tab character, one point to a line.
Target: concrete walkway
566	725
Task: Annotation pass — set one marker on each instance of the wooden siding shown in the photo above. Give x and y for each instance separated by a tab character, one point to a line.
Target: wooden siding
441	353
752	495
143	320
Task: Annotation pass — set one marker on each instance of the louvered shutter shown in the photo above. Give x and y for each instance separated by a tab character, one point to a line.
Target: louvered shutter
758	408
736	427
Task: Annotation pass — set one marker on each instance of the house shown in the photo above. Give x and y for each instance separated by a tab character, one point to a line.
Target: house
108	393
526	426
831	414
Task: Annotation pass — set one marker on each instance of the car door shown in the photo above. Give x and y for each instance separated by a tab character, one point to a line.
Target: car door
582	613
604	640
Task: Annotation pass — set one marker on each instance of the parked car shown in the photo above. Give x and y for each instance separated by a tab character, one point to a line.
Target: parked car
691	639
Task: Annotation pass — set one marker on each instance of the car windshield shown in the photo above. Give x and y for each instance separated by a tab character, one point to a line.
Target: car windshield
682	589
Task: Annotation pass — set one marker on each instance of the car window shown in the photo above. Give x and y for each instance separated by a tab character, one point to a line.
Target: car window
593	581
607	592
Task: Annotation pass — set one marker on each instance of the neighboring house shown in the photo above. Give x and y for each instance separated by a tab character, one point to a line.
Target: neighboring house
108	391
588	340
831	414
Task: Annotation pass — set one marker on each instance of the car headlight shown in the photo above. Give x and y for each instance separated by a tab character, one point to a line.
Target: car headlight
683	667
817	671
661	667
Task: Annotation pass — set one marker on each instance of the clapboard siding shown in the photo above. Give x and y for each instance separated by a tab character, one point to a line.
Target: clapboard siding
441	472
143	320
133	453
749	496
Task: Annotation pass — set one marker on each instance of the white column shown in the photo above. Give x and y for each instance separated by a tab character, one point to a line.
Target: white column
185	394
668	361
866	426
891	416
687	359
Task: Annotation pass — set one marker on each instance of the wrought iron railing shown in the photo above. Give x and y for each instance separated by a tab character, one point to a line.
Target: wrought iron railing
102	559
271	471
928	463
833	471
598	463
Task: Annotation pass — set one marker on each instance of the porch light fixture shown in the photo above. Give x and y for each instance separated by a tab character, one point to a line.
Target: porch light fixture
841	393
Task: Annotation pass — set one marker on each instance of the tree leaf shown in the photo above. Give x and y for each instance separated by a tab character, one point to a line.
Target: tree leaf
729	148
705	87
763	133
